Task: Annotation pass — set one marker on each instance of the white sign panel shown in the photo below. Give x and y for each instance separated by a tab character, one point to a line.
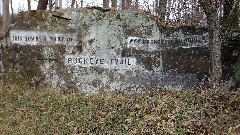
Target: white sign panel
23	37
143	43
91	61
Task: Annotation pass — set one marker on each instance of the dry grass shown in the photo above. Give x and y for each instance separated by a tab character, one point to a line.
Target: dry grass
23	111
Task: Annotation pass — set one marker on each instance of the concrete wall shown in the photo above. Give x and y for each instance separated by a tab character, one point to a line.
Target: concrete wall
92	50
85	49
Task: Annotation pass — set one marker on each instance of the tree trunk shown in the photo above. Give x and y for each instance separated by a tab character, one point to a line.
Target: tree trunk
76	4
73	3
162	9
105	3
136	5
6	16
81	3
42	4
50	5
29	5
156	7
129	4
180	9
215	50
114	4
56	4
60	4
12	8
123	4
194	12
210	8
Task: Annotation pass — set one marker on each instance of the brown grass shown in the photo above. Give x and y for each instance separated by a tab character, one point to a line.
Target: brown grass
23	111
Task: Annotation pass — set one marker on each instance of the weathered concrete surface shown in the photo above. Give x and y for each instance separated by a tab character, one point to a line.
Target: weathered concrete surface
188	63
185	56
92	50
84	49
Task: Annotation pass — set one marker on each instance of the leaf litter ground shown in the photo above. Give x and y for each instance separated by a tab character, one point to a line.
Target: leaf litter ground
196	111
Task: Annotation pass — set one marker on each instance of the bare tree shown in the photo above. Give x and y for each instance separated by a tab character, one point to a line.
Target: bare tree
156	7
77	4
181	6
123	4
42	4
29	5
6	15
56	4
136	4
105	3
195	11
162	9
60	4
81	3
210	8
50	5
114	4
73	3
129	4
11	4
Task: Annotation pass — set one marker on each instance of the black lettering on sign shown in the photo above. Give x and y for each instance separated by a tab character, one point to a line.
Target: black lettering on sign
44	38
85	60
156	42
131	40
116	61
69	39
69	60
91	61
60	39
145	41
97	60
53	38
32	38
151	41
112	61
101	61
16	38
129	62
79	60
121	61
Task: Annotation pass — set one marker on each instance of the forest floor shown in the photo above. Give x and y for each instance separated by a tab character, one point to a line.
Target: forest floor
196	111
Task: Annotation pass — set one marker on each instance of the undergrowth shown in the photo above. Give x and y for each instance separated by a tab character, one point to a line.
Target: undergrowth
196	111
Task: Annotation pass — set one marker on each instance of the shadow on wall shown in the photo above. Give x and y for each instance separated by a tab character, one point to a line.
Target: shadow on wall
188	67
185	67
